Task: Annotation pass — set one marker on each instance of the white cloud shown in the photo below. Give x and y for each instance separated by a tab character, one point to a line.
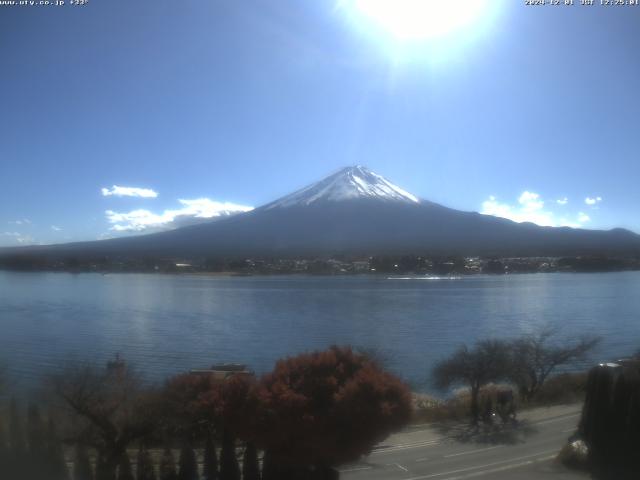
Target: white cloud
19	238
562	201
206	208
24	221
592	200
26	240
583	217
135	220
530	202
118	191
192	211
531	208
55	228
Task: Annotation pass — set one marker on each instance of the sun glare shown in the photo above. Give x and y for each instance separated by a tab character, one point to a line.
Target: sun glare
407	20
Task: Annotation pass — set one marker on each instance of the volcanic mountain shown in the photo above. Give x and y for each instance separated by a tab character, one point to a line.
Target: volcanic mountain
356	211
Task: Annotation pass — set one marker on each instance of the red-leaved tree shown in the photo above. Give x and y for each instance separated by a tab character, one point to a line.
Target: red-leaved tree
197	404
322	409
189	405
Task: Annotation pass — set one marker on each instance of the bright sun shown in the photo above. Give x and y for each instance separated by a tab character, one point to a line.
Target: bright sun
420	19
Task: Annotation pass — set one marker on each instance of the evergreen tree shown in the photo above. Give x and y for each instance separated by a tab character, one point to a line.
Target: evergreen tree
4	453
82	466
36	435
210	460
145	470
188	464
17	467
270	469
16	432
168	466
610	422
36	463
124	468
229	468
103	469
55	461
250	467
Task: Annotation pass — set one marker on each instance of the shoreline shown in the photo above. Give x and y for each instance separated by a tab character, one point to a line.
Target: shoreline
385	275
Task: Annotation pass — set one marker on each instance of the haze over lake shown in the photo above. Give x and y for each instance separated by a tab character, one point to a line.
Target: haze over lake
170	323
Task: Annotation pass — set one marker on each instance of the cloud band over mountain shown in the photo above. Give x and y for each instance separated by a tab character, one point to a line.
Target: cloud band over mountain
192	212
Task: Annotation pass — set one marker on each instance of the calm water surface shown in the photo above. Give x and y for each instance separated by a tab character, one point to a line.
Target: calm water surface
166	323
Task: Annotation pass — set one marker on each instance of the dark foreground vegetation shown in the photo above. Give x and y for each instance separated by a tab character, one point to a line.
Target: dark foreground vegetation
607	442
312	413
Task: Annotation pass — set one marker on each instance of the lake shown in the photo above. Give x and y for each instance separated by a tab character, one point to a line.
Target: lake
166	324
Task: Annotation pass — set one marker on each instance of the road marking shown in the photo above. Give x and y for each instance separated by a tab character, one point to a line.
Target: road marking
427	443
405	469
502	469
430	426
558	419
354	469
418	460
406	446
452	472
569	430
468	452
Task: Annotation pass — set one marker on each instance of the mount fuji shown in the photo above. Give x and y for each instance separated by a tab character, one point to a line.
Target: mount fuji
350	183
355	211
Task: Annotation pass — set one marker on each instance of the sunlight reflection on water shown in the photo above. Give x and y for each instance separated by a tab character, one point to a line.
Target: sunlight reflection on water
166	324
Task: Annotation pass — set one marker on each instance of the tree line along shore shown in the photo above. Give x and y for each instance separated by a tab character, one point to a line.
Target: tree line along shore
327	265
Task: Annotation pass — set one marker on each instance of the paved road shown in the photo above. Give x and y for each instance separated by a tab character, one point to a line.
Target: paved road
523	452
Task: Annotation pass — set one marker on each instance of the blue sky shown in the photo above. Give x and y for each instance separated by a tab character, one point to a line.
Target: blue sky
523	112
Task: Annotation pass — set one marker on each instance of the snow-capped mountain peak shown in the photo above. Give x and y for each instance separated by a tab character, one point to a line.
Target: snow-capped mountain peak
350	183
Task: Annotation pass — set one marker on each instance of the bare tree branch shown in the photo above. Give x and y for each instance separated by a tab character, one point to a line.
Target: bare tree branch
110	406
486	362
536	356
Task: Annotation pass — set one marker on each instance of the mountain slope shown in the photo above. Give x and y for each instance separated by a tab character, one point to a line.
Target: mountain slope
356	211
348	184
